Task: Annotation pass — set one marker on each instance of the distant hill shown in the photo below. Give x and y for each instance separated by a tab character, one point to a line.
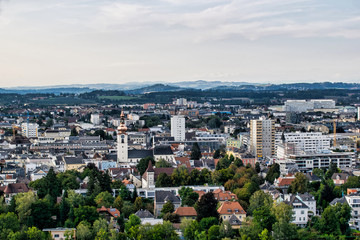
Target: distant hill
291	86
147	87
155	88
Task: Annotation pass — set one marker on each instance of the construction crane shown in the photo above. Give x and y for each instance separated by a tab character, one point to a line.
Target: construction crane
334	126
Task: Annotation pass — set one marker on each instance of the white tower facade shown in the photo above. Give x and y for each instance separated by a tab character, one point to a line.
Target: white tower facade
178	127
29	130
122	142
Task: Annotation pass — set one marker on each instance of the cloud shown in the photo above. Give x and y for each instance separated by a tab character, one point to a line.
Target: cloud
209	20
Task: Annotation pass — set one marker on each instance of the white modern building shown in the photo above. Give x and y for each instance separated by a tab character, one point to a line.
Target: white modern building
29	130
307	105
262	137
178	127
304	141
95	119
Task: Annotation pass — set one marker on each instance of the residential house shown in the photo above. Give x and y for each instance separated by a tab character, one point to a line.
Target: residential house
186	213
13	189
60	233
73	163
229	208
110	214
146	217
223	196
340	178
162	197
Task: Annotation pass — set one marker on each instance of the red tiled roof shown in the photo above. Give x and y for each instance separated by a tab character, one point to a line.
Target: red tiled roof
228	208
285	181
186	211
112	211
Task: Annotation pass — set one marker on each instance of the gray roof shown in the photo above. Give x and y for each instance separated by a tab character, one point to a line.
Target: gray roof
338	200
140	153
296	201
307	197
233	220
163	150
73	160
163	196
144	214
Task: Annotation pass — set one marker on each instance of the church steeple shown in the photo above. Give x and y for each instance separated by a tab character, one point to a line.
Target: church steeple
122	127
122	142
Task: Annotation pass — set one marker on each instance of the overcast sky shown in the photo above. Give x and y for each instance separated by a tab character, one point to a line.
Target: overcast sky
49	42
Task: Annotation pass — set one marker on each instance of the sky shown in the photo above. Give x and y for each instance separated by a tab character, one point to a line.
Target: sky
52	42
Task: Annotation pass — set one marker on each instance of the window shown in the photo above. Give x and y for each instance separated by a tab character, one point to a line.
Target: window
56	235
302	212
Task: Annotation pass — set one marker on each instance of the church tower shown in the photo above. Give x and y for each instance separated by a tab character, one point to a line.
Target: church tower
122	142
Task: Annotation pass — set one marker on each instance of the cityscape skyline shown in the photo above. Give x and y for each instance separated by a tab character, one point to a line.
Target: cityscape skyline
87	42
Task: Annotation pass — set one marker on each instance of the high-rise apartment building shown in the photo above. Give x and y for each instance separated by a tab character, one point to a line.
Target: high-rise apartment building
262	137
178	127
29	130
95	118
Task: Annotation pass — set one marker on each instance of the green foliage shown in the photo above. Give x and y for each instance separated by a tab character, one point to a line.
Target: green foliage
104	199
151	121
189	228
138	204
300	183
195	152
259	199
83	231
118	203
34	233
100	224
332	169
23	205
172	217
163	180
68	180
41	214
168	207
264	217
162	163
85	213
9	221
207	222
206	206
48	185
214	232
143	164
188	196
132	222
273	173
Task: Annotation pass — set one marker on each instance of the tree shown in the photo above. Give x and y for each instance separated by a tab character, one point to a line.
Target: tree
189	228
41	214
273	173
138	203
74	132
214	232
168	207
100	224
264	217
300	183
257	167
195	152
23	205
34	233
226	230
163	180
132	222
143	164
332	169
259	199
118	203
207	222
83	231
217	154
206	206
162	163
283	229
188	196
172	217
85	213
104	199
9	221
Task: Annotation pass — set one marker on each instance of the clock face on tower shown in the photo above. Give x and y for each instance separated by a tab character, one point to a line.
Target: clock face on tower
122	136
